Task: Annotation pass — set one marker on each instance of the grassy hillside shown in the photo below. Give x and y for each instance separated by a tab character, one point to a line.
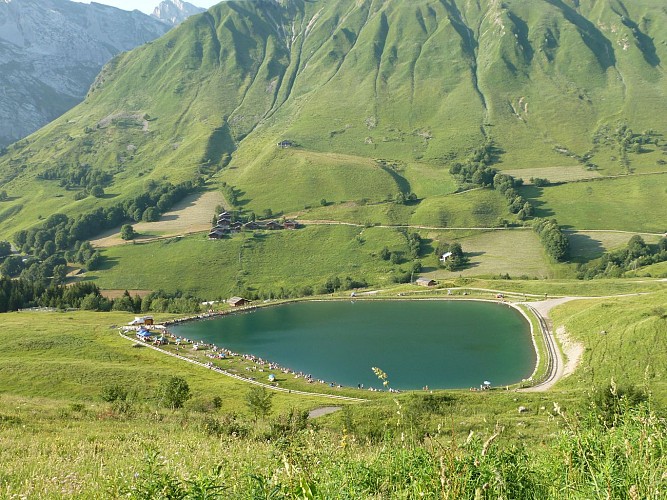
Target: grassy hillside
265	261
417	85
633	204
623	337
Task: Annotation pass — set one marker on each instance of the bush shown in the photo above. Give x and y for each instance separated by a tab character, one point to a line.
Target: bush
127	232
174	393
611	402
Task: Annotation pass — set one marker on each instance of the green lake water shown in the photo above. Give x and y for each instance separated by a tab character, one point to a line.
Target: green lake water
440	344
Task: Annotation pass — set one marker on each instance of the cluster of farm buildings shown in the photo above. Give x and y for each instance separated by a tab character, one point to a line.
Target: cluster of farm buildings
225	226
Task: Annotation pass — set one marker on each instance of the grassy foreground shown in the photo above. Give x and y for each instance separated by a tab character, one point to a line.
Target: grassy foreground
58	438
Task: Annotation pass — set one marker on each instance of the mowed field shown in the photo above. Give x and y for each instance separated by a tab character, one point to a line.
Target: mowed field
552	174
193	214
515	252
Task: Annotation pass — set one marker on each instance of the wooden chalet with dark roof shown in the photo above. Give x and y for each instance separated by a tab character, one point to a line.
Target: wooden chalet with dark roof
237	301
290	224
252	225
218	233
272	225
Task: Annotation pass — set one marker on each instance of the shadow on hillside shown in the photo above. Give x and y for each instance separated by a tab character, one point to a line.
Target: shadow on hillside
240	202
533	194
107	263
583	248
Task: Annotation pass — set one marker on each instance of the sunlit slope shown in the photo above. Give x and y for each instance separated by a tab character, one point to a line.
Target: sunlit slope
349	82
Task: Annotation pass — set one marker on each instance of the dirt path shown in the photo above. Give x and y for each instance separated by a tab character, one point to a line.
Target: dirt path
555	363
325	410
557	366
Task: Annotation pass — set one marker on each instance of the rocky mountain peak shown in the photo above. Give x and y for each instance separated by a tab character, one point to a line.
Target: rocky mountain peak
174	12
51	51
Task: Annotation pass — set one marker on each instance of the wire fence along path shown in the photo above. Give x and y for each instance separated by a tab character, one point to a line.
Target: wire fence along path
245	379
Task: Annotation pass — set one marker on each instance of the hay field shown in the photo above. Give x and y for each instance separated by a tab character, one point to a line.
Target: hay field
193	214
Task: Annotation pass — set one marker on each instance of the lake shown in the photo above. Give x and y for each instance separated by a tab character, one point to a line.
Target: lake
436	343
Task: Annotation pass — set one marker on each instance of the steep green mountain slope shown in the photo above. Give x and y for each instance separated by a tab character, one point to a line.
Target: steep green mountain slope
553	83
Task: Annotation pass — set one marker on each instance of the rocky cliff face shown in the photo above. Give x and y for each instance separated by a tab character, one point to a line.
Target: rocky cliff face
175	12
50	53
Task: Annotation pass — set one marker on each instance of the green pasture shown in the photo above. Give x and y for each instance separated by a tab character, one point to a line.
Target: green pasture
260	261
588	245
658	270
634	203
286	180
492	253
476	208
73	356
624	340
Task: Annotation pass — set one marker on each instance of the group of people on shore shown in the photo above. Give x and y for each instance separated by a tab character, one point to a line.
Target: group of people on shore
216	352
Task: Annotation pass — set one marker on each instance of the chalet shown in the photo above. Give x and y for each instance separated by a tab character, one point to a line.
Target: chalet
425	282
141	320
237	301
445	256
236	226
218	233
290	224
251	225
272	225
285	144
225	217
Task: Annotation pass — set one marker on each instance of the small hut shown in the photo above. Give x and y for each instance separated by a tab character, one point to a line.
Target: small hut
142	320
237	301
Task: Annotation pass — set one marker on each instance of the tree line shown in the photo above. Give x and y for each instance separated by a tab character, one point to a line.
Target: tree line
60	233
637	253
552	238
23	293
476	171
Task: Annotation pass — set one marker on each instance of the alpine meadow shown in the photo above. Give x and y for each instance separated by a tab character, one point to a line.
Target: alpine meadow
279	151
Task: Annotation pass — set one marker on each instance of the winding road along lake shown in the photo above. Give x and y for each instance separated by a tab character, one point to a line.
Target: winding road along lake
440	344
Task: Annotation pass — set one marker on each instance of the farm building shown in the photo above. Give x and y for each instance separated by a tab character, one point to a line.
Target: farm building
445	256
290	224
142	320
425	282
218	233
252	225
237	301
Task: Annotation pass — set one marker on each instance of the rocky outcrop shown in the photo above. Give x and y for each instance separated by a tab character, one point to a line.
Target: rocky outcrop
50	53
174	12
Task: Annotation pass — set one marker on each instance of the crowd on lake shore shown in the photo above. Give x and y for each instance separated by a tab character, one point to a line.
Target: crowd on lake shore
217	352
